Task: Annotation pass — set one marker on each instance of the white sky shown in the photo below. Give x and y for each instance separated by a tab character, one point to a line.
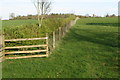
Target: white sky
80	7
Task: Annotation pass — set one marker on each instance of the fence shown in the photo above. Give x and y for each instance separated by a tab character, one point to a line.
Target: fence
44	49
51	40
55	36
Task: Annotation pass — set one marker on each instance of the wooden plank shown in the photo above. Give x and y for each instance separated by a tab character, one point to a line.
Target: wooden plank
26	39
32	56
25	51
26	46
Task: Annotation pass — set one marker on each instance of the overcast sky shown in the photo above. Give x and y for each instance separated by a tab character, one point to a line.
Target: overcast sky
79	7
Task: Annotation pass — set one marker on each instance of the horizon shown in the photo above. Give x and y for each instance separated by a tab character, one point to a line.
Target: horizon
24	8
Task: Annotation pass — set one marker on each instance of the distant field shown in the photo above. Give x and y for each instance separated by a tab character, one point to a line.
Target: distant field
88	50
113	21
9	23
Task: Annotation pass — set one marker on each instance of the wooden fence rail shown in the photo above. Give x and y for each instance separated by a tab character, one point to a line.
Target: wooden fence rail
32	56
44	45
26	39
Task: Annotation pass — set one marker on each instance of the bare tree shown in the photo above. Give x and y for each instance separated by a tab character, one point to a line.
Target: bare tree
12	15
43	7
107	15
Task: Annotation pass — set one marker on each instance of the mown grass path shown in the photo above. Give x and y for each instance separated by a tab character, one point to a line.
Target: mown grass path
87	51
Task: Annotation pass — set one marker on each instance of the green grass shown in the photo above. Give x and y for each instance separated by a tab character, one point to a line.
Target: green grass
87	51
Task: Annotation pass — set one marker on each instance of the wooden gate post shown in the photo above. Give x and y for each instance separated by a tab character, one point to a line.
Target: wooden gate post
47	52
54	39
2	47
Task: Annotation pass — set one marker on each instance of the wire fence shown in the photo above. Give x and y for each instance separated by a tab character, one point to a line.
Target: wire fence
54	37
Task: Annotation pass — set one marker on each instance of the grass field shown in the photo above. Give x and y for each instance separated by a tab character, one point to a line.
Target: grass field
10	23
89	50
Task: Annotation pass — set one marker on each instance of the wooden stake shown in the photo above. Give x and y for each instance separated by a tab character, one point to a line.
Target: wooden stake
59	33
